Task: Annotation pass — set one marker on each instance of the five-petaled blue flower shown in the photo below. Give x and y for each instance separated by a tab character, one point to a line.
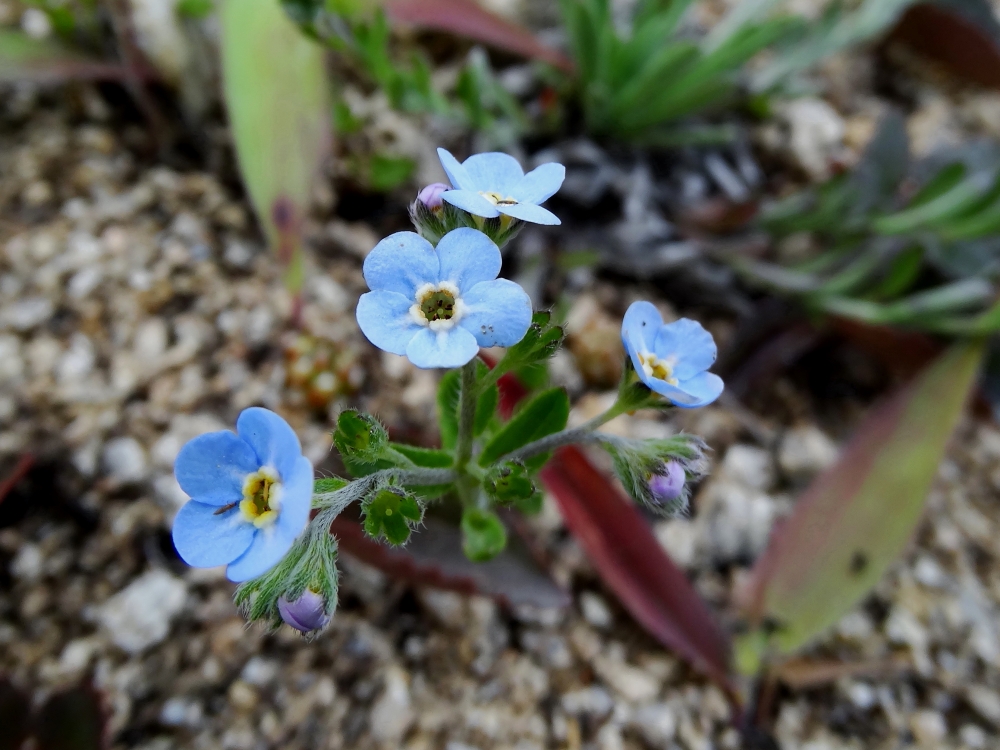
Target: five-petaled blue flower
251	492
671	359
438	306
492	184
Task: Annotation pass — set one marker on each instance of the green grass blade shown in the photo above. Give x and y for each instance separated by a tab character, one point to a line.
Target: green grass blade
277	95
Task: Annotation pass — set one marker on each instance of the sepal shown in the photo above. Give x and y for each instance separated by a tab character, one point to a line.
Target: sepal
483	535
658	473
391	512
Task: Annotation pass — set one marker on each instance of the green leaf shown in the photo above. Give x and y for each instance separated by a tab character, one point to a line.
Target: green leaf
388	172
428	458
390	514
485	409
856	518
543	415
279	112
194	8
328	484
483	535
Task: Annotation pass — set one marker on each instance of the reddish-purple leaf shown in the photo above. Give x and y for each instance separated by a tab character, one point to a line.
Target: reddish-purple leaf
19	472
857	517
466	18
630	561
433	557
962	35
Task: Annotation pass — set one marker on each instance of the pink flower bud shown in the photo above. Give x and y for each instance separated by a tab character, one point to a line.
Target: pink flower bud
307	613
669	484
430	196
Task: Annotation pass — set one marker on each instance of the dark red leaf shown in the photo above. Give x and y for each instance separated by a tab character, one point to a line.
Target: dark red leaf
630	561
466	18
962	35
433	557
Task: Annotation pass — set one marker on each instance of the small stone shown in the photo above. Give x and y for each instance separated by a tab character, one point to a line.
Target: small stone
84	282
140	615
591	701
27	564
181	712
77	361
862	695
242	696
985	701
928	572
392	715
973	737
259	671
27	313
749	466
595	610
816	137
806	451
656	723
125	460
929	728
238	255
679	538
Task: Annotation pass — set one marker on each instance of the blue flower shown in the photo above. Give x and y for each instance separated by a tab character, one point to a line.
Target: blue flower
438	306
671	359
251	492
492	184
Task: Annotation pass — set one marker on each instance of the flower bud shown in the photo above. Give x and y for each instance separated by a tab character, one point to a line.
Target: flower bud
305	614
668	485
430	196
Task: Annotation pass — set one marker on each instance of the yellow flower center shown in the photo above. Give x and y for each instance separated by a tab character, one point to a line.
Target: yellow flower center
498	200
261	502
437	306
654	367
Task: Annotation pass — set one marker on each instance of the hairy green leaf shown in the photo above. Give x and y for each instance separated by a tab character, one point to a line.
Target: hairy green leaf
543	415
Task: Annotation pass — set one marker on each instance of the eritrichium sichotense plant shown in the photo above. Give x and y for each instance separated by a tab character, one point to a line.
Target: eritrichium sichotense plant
436	298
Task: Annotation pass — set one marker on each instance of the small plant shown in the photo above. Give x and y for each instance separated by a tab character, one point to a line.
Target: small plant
633	86
436	299
895	242
360	34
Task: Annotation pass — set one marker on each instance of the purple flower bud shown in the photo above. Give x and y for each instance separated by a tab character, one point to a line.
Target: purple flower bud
307	613
669	484
430	196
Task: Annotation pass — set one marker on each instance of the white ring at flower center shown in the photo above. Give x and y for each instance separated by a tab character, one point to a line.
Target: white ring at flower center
426	290
661	369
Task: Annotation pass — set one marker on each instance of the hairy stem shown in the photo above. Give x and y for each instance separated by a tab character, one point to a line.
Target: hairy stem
583	434
466	415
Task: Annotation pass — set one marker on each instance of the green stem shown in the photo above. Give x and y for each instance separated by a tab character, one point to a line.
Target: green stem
466	415
585	433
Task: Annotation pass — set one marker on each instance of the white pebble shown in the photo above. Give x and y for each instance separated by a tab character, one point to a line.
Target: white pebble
125	460
140	615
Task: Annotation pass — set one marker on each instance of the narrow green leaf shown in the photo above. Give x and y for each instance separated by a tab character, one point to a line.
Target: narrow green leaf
328	484
428	458
277	95
543	415
449	392
857	517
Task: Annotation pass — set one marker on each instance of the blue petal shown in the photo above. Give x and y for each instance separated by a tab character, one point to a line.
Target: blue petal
400	263
451	348
467	257
212	467
499	313
206	540
494	172
296	499
539	184
529	212
702	389
271	438
460	179
272	543
640	325
384	318
472	202
691	346
268	547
